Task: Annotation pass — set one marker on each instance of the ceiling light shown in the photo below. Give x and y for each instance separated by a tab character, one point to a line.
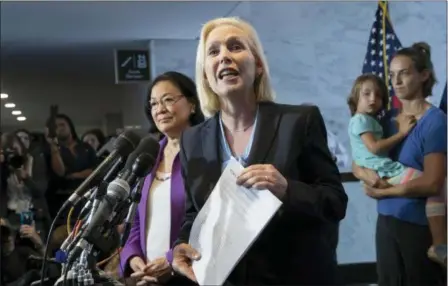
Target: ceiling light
21	118
10	105
16	112
4	95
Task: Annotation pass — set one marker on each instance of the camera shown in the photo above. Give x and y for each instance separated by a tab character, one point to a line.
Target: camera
13	159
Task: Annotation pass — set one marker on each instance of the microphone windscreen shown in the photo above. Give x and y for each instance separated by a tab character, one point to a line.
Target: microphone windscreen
126	143
147	150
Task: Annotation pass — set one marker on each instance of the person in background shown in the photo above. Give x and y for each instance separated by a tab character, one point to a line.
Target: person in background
15	255
118	131
95	138
403	235
33	141
26	184
283	148
172	106
3	176
368	99
26	138
35	150
71	161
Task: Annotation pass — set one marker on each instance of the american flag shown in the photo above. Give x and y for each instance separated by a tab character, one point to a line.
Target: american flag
443	101
382	45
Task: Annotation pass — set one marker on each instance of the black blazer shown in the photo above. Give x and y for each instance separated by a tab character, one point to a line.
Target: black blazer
298	247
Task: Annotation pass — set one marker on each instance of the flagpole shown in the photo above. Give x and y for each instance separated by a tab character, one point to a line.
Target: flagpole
383	5
381	47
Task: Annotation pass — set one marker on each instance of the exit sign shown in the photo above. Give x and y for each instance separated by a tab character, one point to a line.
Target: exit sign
132	66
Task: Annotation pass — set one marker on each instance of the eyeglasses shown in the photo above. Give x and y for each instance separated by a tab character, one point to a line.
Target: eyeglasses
165	101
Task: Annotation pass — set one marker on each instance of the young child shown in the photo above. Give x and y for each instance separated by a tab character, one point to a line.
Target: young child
369	150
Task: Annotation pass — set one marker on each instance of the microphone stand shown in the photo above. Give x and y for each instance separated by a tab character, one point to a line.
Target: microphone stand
135	200
103	219
82	270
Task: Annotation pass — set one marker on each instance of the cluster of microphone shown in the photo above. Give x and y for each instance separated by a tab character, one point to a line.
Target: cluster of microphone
112	188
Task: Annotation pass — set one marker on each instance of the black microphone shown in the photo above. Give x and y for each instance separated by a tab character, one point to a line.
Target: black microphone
135	200
138	165
123	146
108	147
99	192
145	154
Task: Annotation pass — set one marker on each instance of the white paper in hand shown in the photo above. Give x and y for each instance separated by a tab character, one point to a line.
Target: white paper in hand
228	224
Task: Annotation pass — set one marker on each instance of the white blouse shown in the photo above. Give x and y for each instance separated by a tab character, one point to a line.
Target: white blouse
158	217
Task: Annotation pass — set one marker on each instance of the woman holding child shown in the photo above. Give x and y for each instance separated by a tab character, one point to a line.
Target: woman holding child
410	185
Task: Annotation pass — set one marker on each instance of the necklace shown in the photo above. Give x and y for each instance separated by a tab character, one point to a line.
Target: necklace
162	179
240	130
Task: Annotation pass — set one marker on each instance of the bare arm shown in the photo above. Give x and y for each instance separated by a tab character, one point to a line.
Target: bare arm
381	146
368	176
433	147
56	161
358	172
40	248
38	187
90	167
430	182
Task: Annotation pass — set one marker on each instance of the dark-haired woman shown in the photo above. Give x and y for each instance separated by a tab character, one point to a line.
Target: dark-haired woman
24	186
172	106
96	139
405	221
71	161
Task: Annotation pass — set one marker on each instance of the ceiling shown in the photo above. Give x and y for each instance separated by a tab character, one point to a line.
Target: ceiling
63	24
45	34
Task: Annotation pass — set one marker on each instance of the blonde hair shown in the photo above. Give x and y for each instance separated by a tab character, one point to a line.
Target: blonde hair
208	99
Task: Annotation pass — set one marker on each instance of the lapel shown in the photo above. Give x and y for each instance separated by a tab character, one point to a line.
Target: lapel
177	199
142	207
210	148
265	132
